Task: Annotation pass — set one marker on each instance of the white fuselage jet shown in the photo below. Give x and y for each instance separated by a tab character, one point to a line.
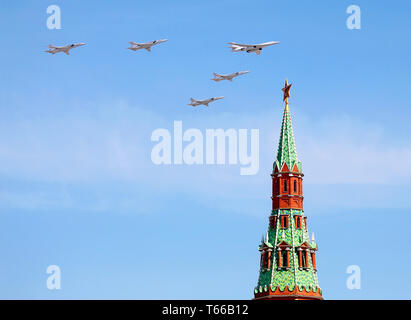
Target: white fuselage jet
53	49
229	77
137	46
196	103
236	47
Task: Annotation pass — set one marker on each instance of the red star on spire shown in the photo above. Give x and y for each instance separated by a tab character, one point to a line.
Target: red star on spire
286	90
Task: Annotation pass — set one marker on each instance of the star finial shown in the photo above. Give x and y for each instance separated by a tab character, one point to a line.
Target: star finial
286	91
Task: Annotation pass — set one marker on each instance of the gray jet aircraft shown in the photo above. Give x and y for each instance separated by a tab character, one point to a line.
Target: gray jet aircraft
53	49
205	102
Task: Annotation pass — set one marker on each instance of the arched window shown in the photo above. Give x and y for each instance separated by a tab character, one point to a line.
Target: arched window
277	188
285	186
295	186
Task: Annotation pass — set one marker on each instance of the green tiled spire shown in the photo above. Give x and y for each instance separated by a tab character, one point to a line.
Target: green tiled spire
287	152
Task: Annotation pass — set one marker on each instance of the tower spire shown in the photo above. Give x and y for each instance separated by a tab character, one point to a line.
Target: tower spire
288	262
287	151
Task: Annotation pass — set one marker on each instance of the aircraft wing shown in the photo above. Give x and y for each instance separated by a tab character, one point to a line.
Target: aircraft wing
266	44
240	45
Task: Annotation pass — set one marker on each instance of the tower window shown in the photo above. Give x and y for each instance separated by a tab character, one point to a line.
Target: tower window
273	222
263	259
266	259
284	258
295	186
284	221
313	260
285	186
304	262
277	189
298	222
302	258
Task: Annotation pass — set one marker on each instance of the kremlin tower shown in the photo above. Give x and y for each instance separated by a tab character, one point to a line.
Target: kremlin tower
288	270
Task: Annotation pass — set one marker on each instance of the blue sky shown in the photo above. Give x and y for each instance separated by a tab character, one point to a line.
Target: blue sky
77	185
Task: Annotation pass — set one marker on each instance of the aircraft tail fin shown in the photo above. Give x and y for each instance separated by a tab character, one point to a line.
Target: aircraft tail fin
51	46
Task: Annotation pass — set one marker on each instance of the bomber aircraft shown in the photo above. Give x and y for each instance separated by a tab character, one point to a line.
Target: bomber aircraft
53	49
147	45
236	47
205	102
229	77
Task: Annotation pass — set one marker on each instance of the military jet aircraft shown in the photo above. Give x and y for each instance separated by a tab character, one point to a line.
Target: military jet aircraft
137	46
205	102
251	47
229	77
53	49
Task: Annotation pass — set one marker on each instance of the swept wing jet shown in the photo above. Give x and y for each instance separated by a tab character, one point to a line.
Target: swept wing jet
147	45
54	49
236	47
205	102
229	77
